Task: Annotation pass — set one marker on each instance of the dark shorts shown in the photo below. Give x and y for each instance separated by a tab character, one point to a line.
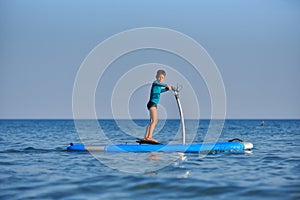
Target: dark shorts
150	104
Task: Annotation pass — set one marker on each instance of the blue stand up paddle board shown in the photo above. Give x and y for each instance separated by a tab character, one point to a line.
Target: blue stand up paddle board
187	148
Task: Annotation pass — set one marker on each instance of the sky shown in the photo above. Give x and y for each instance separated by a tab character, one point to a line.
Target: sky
254	44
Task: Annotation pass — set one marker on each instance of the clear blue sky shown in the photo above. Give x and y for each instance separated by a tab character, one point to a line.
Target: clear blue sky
255	44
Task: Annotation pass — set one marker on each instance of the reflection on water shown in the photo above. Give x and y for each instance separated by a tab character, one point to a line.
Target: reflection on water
139	162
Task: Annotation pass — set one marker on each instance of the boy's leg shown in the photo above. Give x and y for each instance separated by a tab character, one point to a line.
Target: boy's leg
147	131
153	121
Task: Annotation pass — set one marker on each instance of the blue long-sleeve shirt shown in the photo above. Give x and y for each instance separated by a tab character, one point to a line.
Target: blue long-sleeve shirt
156	89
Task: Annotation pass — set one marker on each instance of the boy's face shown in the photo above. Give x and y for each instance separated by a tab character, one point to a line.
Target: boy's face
160	78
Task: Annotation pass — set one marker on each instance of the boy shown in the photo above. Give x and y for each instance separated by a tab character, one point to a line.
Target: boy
157	87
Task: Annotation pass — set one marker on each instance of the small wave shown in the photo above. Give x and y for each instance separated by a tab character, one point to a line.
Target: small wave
11	151
31	149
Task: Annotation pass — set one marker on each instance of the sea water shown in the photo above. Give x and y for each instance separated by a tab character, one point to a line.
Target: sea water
34	163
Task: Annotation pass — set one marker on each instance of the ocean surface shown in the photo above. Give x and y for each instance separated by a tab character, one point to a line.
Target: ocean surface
34	162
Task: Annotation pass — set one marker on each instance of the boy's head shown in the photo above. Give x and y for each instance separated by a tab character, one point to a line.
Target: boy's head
160	75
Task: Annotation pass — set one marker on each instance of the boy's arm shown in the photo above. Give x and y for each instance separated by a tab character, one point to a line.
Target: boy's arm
164	90
167	88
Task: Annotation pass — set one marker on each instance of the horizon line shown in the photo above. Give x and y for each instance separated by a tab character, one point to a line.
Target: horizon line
148	119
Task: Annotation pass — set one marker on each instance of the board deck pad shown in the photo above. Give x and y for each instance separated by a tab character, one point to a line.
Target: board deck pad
142	141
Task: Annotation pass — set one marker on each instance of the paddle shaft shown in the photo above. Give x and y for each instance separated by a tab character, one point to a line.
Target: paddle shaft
181	115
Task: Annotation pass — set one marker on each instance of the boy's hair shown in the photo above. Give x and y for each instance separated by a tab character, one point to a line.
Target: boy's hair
159	72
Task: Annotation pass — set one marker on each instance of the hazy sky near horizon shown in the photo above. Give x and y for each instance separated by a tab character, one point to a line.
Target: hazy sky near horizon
255	45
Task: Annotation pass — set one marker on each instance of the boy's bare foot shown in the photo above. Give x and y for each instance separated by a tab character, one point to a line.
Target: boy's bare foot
152	139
